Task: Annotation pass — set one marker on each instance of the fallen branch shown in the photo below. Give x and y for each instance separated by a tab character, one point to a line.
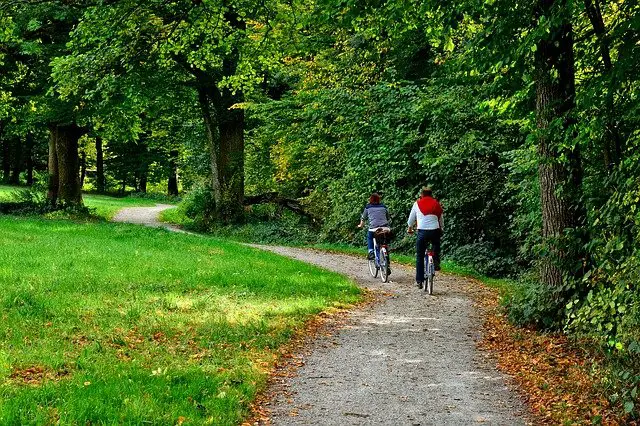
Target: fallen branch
275	198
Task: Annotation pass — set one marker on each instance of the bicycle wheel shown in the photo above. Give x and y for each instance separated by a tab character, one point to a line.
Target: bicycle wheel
384	266
373	269
432	274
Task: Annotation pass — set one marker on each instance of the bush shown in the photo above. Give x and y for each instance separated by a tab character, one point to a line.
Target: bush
156	196
199	206
534	304
484	259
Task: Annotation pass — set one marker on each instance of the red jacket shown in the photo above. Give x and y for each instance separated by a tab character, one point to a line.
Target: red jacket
429	205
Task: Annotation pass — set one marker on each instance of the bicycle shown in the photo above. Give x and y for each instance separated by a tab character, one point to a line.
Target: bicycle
380	262
429	272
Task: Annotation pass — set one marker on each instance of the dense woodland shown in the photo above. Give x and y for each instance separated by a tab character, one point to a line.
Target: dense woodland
523	116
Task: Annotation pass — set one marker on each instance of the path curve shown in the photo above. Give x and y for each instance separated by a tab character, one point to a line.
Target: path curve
410	359
147	216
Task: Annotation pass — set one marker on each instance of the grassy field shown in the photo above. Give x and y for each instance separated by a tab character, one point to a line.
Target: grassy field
103	205
105	323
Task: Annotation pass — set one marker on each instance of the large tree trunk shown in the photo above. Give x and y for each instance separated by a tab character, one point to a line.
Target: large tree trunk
213	138
66	140
29	158
16	163
100	181
53	183
172	184
231	124
559	182
232	158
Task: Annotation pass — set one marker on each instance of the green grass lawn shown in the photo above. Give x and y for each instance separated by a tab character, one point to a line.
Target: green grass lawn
106	323
104	206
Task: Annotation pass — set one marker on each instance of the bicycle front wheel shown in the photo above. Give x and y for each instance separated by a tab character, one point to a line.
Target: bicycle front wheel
373	269
384	266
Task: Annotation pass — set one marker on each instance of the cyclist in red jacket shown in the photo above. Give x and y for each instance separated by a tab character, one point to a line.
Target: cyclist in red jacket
426	216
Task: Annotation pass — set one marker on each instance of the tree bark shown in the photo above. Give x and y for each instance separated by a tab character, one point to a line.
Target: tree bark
69	190
172	184
232	157
559	183
213	139
29	158
231	124
53	183
83	168
100	181
16	163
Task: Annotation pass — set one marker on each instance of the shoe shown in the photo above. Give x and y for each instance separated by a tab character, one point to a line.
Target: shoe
371	256
419	284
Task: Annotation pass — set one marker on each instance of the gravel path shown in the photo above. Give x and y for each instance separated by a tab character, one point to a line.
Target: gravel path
410	359
147	216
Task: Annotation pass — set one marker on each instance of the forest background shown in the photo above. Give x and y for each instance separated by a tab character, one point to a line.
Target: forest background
275	120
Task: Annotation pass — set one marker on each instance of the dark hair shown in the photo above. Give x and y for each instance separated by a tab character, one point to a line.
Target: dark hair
427	191
375	198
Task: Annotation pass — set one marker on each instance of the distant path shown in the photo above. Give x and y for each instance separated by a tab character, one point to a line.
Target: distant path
410	359
147	216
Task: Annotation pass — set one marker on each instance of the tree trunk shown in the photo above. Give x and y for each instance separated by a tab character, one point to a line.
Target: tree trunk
6	161
52	170
69	190
172	184
232	158
29	159
232	132
212	137
559	183
83	168
142	183
100	181
16	163
612	141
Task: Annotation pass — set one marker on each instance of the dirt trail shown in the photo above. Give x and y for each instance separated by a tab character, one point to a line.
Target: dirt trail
410	359
147	216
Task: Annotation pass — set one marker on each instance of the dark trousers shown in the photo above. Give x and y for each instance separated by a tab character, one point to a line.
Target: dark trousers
424	238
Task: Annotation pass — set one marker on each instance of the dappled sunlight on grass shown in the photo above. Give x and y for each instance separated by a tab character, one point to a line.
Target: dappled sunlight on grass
131	324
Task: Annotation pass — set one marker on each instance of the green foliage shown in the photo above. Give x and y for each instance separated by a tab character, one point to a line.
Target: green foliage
199	206
334	147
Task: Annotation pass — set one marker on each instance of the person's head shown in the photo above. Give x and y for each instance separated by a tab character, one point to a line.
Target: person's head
374	198
426	191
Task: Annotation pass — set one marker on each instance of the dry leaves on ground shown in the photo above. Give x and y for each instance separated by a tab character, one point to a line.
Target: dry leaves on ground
552	374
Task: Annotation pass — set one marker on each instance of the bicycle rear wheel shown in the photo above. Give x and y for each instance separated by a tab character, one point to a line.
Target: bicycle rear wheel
432	273
384	266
